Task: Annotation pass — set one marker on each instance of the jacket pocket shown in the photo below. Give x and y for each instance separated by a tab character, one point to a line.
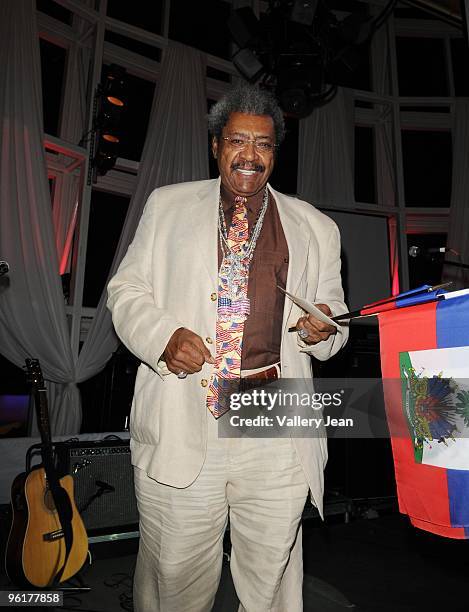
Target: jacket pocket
144	416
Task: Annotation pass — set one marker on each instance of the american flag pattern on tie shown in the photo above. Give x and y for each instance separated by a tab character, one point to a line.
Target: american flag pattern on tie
230	320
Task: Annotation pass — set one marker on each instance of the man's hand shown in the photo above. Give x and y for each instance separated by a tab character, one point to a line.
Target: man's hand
316	329
186	352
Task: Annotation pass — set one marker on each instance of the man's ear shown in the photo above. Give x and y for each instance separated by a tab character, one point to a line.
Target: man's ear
214	146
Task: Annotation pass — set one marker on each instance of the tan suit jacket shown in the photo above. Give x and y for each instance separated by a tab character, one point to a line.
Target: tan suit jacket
168	280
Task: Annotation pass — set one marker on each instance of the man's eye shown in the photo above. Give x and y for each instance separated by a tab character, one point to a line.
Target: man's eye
237	141
265	146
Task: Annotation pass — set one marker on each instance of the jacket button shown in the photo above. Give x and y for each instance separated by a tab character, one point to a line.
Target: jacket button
204	382
208	340
213	297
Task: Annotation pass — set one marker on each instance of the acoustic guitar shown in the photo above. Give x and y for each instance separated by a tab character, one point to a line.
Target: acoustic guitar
41	551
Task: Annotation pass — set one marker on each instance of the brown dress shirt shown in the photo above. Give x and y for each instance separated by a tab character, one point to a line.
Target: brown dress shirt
269	268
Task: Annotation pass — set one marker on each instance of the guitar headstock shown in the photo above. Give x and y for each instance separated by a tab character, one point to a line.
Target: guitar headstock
34	374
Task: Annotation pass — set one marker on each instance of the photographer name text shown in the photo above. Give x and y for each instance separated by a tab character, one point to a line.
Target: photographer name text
284	421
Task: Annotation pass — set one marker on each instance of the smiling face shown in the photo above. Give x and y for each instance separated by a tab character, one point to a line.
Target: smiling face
245	172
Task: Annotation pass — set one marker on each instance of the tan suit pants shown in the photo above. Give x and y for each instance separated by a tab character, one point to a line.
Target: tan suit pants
260	484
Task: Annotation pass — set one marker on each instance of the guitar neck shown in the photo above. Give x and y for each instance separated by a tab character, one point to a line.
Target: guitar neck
36	379
42	412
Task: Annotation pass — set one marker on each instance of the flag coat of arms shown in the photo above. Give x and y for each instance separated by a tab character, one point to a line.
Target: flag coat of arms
425	370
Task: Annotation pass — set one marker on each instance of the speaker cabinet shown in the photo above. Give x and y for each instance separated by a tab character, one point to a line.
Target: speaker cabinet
104	484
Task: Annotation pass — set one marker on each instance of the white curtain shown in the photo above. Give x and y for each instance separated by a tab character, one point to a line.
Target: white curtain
32	312
73	123
458	234
176	150
64	217
326	153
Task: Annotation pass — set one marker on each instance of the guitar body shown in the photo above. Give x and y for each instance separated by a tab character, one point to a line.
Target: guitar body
32	557
14	549
36	549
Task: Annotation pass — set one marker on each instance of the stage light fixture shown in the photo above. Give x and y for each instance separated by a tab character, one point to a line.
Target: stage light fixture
245	32
327	49
299	81
109	119
248	64
243	26
110	101
303	11
106	154
114	86
111	138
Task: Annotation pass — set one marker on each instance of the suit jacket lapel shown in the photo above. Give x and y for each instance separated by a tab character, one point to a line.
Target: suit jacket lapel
298	245
297	238
204	222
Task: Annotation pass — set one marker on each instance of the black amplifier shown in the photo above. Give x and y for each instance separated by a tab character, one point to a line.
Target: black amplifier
103	483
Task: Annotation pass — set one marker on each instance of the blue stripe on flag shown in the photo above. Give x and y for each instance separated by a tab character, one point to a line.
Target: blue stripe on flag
452	322
452	329
458	492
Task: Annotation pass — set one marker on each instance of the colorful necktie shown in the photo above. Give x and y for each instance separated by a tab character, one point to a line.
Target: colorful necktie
233	309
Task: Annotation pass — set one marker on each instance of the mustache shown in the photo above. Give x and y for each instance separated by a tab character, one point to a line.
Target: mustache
256	167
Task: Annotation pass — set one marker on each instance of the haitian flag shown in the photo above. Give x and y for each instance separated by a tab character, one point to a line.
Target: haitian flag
426	348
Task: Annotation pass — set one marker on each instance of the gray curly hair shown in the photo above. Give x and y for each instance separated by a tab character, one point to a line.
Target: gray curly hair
249	99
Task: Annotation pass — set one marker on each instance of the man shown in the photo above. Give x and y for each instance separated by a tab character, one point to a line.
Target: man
196	299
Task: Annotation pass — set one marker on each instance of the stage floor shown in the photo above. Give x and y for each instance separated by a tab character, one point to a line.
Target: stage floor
379	565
